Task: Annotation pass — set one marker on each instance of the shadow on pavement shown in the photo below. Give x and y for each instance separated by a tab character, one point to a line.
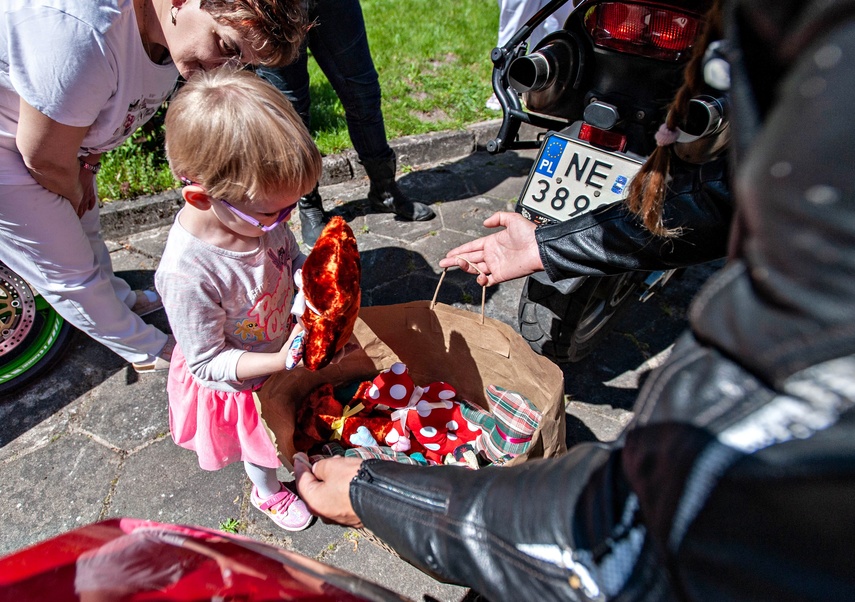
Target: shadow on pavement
397	275
613	374
470	176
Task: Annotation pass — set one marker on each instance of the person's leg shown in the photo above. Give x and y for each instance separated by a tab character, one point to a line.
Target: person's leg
553	22
339	44
280	504
91	224
512	16
265	480
44	242
293	82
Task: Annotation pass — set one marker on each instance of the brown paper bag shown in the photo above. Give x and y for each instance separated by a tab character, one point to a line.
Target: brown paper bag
436	342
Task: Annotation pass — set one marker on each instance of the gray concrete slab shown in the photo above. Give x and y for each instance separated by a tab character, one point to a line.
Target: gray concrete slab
136	417
59	486
163	482
89	440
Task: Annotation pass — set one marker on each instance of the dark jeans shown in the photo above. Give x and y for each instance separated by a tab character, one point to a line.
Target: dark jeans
340	46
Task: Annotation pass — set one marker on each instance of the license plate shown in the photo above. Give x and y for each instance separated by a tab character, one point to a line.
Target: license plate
571	177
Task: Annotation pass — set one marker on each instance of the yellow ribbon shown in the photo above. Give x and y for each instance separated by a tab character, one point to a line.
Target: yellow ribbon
338	423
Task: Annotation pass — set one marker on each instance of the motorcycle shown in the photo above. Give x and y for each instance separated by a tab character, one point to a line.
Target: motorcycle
599	89
33	337
125	559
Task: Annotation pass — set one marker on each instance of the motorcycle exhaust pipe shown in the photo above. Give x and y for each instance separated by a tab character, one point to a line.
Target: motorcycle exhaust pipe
547	78
706	132
531	72
539	70
706	116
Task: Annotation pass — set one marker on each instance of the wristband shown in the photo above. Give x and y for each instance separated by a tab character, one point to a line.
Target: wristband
89	167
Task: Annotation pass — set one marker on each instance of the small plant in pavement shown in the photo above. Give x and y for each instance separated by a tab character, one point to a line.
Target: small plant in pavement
231	525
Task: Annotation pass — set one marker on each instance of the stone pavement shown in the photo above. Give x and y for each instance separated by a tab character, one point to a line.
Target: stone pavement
90	440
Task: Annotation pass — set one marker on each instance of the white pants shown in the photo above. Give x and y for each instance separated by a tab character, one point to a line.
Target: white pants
513	14
65	259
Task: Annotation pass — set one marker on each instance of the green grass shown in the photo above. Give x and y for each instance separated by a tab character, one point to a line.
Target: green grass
433	59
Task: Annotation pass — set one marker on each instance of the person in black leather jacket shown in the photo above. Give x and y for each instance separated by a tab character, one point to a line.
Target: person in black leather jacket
736	479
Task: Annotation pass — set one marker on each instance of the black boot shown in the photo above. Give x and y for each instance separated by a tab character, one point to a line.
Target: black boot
385	195
312	217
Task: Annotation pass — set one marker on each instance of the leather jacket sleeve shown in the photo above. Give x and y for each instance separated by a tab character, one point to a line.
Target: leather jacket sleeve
611	240
483	528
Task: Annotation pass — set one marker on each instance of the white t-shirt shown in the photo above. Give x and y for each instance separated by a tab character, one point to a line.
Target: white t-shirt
81	63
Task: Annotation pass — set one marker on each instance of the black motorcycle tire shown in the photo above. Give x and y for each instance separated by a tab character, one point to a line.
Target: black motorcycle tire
566	326
33	337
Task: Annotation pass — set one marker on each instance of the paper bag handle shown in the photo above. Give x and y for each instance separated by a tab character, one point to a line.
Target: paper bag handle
439	284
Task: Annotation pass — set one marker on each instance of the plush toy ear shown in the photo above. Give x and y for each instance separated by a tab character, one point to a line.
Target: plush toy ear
331	279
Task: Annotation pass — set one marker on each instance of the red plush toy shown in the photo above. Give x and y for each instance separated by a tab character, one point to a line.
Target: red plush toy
322	418
393	411
328	303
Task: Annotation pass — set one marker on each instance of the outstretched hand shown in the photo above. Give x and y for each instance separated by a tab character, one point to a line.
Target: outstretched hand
325	487
505	255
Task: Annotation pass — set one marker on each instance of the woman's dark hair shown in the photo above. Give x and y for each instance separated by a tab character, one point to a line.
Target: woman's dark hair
274	28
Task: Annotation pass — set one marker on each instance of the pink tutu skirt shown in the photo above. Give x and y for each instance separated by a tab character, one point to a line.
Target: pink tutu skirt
221	427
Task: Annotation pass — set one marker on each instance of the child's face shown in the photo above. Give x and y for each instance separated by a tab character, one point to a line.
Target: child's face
264	214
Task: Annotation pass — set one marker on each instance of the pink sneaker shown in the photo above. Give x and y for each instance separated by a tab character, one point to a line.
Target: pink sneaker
284	508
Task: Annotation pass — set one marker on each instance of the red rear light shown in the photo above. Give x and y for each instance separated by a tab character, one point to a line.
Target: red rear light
643	30
623	22
602	138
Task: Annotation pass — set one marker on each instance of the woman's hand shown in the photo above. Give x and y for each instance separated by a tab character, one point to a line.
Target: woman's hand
89	185
325	487
511	253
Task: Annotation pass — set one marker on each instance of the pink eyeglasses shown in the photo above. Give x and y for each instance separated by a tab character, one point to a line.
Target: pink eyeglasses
283	214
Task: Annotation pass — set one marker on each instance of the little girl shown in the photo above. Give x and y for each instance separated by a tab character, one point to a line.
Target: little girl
226	275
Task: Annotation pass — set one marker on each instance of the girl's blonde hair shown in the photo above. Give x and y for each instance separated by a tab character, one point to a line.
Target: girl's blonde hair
646	193
274	28
239	137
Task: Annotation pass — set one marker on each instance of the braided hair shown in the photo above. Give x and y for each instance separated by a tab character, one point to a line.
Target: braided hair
646	193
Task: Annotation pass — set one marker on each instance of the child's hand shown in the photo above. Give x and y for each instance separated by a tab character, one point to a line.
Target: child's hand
293	347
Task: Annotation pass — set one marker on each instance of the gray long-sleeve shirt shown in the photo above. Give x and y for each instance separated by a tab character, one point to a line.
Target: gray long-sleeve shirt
222	303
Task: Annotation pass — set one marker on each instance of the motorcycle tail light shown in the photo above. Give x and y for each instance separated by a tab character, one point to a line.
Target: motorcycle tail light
602	138
644	30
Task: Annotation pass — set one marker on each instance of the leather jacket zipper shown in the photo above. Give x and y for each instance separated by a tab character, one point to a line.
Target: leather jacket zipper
405	495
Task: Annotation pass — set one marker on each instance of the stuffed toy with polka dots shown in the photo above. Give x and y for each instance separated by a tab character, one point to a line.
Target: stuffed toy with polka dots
393	411
426	417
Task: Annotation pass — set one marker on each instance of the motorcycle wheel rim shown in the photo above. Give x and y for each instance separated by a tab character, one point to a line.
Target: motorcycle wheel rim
29	327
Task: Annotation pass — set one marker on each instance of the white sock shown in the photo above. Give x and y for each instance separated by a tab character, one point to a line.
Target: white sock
264	479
